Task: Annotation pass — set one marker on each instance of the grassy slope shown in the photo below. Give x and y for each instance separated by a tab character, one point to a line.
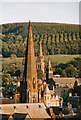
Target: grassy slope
56	59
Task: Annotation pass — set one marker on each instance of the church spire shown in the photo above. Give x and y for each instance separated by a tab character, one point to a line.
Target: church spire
40	52
29	91
30	73
40	62
49	63
49	73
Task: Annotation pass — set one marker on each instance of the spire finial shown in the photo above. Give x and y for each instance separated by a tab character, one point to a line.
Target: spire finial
40	52
29	23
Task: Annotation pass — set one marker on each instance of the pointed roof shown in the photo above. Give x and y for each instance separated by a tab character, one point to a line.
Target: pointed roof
30	72
47	91
40	52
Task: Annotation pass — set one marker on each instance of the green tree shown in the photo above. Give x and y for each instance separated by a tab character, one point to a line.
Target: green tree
39	74
6	78
13	56
64	73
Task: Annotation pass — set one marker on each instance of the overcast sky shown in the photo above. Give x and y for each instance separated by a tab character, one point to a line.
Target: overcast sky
60	12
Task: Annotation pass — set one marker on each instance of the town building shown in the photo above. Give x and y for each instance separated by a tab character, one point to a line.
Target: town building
51	98
24	111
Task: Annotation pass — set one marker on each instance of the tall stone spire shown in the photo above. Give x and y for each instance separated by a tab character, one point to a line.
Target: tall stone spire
30	73
40	62
40	52
49	63
49	72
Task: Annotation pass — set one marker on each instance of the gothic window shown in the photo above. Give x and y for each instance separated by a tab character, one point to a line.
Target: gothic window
34	99
33	83
48	97
40	66
45	97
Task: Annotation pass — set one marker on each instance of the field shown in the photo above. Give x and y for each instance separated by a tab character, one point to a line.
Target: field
55	59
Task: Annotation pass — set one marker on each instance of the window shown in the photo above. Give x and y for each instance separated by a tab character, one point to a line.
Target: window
27	106
40	66
48	97
34	99
40	106
15	108
33	83
45	97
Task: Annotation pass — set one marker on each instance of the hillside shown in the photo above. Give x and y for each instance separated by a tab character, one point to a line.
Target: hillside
69	63
56	38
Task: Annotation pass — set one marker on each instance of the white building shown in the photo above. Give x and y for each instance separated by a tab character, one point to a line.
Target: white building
51	98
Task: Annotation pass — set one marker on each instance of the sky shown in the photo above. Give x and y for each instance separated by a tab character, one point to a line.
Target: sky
59	12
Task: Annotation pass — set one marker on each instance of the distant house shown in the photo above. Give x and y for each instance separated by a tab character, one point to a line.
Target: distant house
51	98
56	76
62	91
75	101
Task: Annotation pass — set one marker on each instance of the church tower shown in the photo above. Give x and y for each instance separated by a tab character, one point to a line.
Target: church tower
29	89
40	62
49	73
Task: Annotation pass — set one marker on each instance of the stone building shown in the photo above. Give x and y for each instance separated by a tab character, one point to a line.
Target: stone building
40	61
24	111
51	98
29	88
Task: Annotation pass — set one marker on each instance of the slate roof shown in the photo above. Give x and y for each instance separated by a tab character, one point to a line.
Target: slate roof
34	110
66	81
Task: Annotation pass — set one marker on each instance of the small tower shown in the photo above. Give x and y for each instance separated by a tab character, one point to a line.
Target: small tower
49	73
40	62
29	88
47	96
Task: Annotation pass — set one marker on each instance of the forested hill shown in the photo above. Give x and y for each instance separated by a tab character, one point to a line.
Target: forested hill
56	38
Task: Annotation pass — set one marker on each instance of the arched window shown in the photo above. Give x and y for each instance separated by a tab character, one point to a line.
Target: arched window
33	83
34	99
40	66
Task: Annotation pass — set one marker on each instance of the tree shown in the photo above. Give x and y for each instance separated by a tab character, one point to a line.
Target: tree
17	73
71	71
6	78
13	56
39	74
64	73
75	86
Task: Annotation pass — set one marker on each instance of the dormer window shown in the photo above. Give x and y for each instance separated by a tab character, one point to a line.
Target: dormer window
40	106
27	106
0	108
14	107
